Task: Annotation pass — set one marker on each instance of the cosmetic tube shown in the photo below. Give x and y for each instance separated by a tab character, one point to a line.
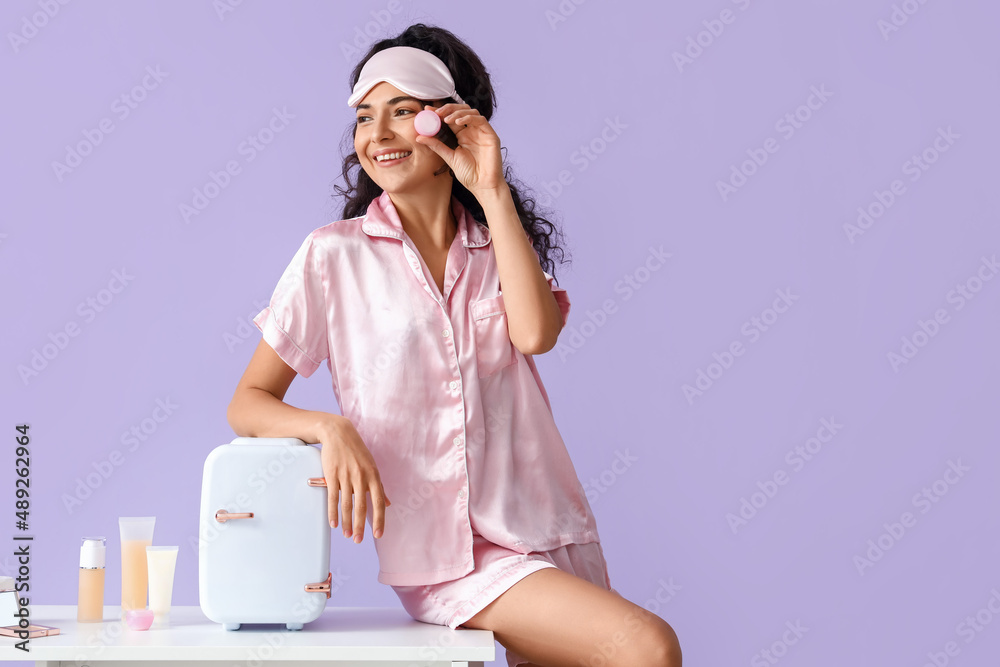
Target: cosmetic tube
162	561
136	534
90	596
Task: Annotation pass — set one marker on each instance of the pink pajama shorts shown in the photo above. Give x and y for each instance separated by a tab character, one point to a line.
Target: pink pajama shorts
497	568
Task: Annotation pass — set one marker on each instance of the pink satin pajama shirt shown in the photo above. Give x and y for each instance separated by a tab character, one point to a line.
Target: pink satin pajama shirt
456	418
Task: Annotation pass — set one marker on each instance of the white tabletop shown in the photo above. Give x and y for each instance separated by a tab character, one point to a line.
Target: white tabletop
340	633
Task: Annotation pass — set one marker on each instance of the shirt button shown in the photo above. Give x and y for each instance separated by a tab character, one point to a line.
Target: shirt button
457	440
461	493
453	384
445	333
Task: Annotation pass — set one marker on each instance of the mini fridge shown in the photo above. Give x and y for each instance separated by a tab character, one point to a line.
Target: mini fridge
264	535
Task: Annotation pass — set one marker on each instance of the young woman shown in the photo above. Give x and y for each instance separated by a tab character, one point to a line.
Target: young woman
427	301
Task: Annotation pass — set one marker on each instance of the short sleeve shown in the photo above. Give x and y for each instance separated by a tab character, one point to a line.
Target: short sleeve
562	298
294	323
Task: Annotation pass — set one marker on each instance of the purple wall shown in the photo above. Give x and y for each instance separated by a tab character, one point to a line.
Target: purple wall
742	138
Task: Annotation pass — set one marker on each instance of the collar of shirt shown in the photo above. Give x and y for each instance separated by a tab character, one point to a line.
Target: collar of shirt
383	220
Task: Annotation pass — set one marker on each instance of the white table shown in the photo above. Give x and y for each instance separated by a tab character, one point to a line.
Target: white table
368	637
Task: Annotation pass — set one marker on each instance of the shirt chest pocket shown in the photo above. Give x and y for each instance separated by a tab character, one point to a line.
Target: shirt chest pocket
494	350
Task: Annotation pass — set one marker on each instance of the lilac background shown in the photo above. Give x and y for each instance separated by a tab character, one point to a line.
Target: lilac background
663	519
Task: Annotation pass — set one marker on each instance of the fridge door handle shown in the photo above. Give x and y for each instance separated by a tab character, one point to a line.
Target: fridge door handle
322	587
317	481
223	516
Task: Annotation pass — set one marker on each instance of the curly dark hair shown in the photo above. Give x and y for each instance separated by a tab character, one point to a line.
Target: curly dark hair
473	85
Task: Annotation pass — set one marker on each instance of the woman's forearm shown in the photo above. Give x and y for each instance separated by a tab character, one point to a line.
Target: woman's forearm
534	319
257	413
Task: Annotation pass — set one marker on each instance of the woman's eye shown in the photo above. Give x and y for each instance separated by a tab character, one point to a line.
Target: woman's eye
361	118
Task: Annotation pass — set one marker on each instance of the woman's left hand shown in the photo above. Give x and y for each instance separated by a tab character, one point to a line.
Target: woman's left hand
476	163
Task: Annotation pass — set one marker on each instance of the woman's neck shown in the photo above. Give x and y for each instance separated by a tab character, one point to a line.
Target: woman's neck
427	220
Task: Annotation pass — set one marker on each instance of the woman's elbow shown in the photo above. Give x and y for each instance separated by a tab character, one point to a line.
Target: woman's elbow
233	416
541	344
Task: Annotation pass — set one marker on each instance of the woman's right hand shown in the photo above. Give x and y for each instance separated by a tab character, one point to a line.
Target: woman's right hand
350	470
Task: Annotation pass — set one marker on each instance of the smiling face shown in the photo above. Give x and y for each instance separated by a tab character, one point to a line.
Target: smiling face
384	125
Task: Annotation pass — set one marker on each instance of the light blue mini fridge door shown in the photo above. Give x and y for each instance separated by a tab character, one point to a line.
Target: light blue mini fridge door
264	537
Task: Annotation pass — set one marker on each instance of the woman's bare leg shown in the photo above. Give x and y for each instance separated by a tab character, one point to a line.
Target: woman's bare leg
555	618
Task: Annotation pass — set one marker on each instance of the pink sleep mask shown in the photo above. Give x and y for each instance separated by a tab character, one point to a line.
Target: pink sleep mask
414	71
